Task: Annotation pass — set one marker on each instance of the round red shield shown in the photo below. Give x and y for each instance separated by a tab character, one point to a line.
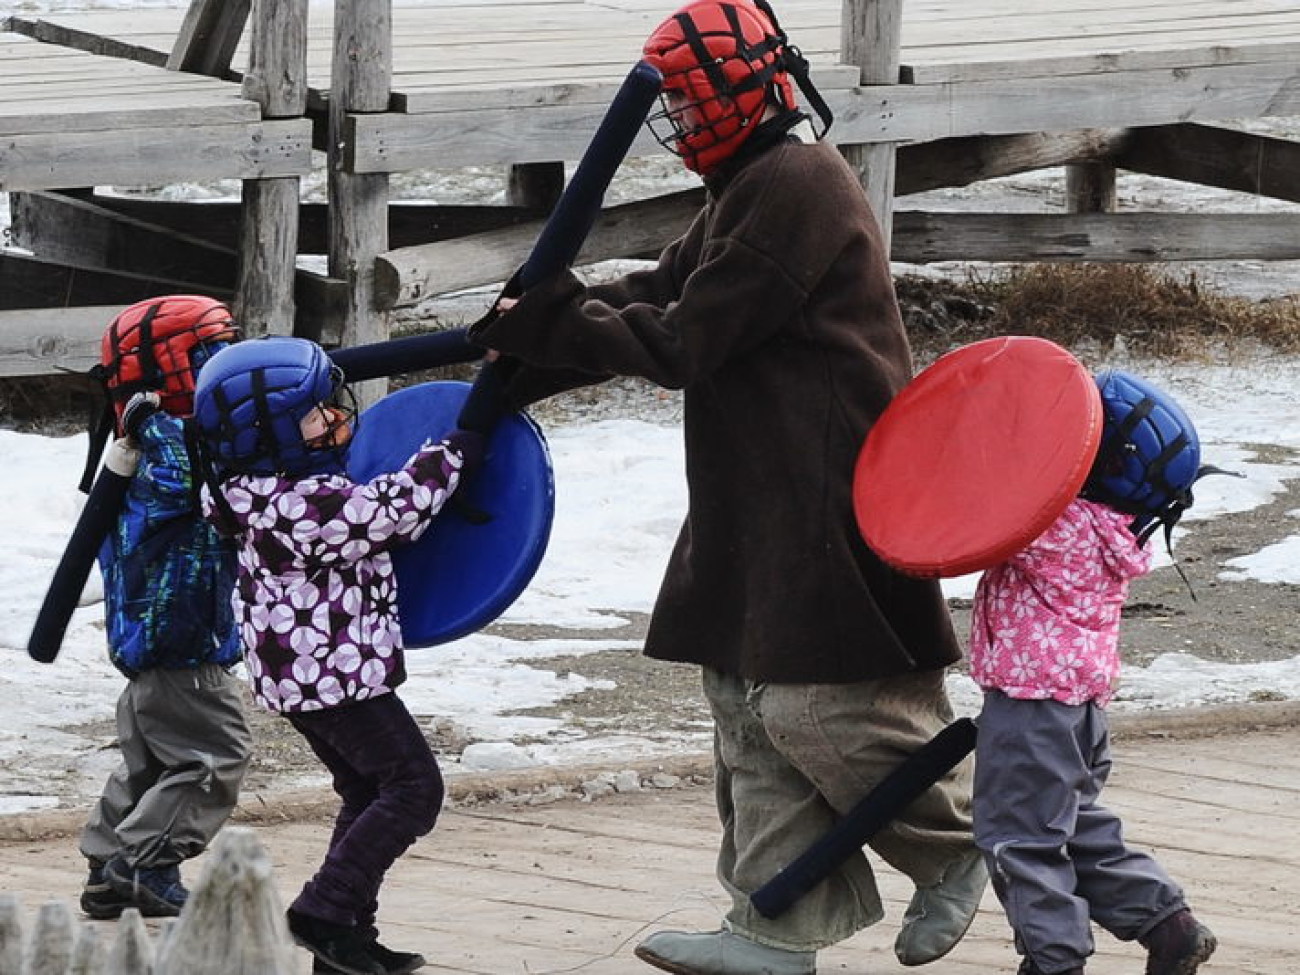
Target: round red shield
977	456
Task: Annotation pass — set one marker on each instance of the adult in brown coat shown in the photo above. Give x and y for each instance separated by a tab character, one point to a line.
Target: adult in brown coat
776	315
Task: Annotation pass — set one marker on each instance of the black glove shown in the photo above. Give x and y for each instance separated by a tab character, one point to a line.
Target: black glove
471	445
138	409
487	402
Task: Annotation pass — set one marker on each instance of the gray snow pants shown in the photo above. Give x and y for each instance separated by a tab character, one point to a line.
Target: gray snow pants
791	759
1056	857
185	746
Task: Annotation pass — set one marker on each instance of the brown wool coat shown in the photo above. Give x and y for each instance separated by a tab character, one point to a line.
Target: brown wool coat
776	315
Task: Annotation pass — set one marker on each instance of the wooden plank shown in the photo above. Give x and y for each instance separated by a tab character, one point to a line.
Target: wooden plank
939	67
921	238
921	113
208	36
88	114
894	113
959	162
79	232
30	282
1211	156
52	160
409	275
49	341
409	223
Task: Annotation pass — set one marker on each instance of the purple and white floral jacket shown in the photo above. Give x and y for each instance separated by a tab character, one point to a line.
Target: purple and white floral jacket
316	596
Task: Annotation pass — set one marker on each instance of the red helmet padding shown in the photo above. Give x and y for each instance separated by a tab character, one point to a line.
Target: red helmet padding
147	347
977	456
721	58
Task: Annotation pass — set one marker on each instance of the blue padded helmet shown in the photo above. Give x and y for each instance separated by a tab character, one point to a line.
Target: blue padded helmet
1149	455
250	399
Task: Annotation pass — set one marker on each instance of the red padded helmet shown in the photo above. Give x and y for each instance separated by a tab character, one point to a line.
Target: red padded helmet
158	344
723	64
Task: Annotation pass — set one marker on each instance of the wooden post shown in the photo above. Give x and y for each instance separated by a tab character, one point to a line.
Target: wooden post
268	233
234	922
360	78
51	949
88	956
870	33
11	934
132	953
209	36
1090	186
535	185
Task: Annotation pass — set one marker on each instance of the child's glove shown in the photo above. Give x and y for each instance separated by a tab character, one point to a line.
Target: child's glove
470	444
138	409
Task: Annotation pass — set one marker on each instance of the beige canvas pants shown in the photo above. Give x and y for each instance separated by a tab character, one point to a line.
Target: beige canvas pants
791	759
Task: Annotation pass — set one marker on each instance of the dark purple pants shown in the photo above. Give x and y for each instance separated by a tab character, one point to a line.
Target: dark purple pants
388	779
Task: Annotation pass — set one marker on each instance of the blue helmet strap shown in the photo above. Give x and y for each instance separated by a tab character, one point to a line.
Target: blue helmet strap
1169	515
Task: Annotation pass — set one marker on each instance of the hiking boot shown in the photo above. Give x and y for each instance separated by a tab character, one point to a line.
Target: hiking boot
344	948
1178	945
938	916
392	962
721	953
155	891
99	901
1027	967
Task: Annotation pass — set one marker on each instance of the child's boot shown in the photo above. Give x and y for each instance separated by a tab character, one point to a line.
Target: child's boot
155	891
342	948
1027	967
1177	945
392	962
99	900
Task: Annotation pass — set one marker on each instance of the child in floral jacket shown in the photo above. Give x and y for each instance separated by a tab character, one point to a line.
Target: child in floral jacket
316	597
1044	647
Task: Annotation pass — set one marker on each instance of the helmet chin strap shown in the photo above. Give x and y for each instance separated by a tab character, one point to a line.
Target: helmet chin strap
793	61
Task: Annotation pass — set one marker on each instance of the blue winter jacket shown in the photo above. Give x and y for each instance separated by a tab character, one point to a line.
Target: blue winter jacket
168	576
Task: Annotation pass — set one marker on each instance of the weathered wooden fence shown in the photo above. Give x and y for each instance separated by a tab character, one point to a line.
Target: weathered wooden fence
233	924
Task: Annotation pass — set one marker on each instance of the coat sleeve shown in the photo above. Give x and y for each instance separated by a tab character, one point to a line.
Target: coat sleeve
355	521
165	474
713	296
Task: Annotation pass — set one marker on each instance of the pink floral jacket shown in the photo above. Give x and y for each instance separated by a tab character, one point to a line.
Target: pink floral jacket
1045	623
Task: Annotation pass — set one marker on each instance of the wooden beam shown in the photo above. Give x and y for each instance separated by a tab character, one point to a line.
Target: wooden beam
29	282
870	32
1211	156
407	276
91	43
209	36
242	151
361	74
922	238
961	161
409	224
47	341
68	230
880	113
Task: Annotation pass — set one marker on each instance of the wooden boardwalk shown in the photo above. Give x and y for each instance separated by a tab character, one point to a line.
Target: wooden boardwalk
465	67
571	887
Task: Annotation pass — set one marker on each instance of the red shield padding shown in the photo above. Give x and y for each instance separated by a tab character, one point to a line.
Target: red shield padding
977	456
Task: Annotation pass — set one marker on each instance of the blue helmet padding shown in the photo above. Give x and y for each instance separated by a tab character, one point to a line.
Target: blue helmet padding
1149	454
251	397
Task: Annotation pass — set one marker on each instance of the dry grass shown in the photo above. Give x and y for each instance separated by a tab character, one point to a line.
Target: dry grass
1154	313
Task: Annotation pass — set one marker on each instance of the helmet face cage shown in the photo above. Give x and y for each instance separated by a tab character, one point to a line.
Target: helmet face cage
252	398
159	345
721	65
